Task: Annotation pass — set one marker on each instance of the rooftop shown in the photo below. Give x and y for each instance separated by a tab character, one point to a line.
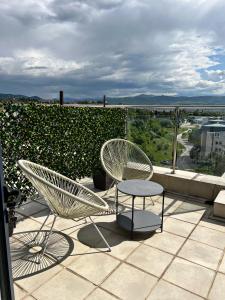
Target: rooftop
186	261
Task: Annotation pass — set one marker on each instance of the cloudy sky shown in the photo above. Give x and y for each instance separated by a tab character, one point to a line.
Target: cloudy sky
113	47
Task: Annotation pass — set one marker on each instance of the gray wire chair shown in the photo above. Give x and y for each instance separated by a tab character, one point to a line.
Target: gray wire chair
65	197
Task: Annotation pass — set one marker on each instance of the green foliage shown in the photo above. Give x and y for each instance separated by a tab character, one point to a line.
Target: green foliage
194	137
153	133
65	139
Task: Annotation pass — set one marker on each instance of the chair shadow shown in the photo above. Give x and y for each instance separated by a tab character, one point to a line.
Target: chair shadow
90	237
25	261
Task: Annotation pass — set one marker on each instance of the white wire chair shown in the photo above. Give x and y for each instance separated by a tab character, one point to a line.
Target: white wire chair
65	197
123	160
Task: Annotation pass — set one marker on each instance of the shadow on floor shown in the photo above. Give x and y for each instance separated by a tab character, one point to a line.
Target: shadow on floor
90	237
25	259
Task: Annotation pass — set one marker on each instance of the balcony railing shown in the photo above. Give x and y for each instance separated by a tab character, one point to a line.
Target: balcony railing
180	137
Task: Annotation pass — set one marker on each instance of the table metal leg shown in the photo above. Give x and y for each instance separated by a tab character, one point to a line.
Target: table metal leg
144	203
162	211
116	194
132	219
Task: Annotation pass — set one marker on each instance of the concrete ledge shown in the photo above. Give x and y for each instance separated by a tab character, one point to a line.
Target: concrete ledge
219	205
189	183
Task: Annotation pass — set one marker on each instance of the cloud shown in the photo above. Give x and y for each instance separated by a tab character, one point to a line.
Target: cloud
115	47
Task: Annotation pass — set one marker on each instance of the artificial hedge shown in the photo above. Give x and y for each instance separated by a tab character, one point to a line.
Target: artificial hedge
65	139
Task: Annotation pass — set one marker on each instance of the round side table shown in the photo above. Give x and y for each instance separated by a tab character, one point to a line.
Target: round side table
139	220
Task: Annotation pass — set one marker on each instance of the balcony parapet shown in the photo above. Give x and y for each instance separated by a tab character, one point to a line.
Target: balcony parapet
189	183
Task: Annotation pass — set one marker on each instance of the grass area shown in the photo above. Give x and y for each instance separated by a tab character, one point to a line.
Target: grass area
155	137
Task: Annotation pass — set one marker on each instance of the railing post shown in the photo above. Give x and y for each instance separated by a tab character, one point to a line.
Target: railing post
126	124
176	126
104	100
61	98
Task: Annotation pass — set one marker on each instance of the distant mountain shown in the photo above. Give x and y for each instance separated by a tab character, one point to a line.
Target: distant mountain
19	97
168	100
141	99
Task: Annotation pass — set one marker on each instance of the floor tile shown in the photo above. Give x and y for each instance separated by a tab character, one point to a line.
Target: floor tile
33	282
191	217
166	241
194	278
222	265
19	293
87	234
120	245
78	250
129	283
66	225
150	259
167	291
178	227
64	286
29	298
218	289
27	225
109	222
41	216
30	208
213	224
99	294
209	236
95	267
201	254
192	207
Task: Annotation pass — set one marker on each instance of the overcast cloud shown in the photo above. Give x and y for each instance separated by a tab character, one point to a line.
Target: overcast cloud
113	47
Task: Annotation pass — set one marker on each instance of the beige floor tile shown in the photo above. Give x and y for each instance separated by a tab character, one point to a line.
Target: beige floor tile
27	225
192	207
213	224
120	245
167	291
30	208
191	217
129	283
109	222
178	227
94	267
194	278
209	236
201	254
222	265
78	250
88	235
99	294
66	225
33	282
64	286
41	216
218	289
166	241
19	293
150	259
29	298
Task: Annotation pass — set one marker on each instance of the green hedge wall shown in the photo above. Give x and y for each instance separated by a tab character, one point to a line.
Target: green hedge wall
65	139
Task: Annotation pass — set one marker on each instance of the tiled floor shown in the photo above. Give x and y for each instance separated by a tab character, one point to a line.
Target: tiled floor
186	261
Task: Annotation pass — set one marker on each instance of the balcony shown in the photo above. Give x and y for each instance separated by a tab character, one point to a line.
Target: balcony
186	261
